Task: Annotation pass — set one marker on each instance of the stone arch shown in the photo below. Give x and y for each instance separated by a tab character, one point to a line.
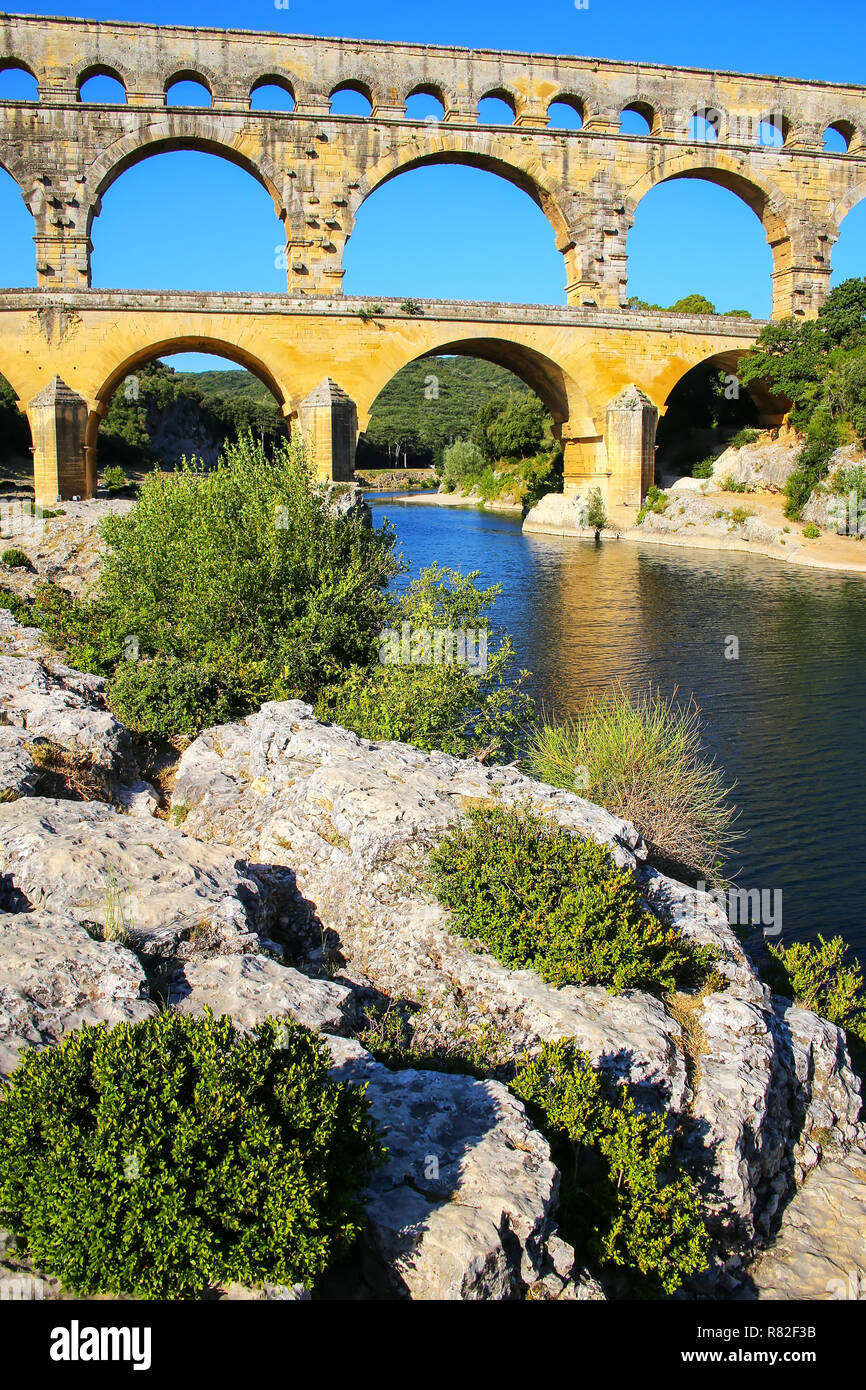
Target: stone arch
771	408
850	125
503	92
474	151
206	77
360	83
9	63
185	133
648	108
765	201
569	98
119	73
432	89
274	79
150	351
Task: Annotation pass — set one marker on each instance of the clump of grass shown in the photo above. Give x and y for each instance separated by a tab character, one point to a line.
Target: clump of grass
743	437
811	531
640	756
15	559
69	775
703	468
816	976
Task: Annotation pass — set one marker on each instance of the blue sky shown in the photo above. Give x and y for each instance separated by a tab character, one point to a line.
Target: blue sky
156	229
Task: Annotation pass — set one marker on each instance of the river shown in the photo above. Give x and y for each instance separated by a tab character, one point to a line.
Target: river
785	719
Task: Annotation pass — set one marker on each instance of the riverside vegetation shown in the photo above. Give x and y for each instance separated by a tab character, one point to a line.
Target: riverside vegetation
241	585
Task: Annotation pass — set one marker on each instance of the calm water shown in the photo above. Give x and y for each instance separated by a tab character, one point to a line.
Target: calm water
786	720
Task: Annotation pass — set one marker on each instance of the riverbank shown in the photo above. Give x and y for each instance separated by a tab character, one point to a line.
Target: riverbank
764	531
461	499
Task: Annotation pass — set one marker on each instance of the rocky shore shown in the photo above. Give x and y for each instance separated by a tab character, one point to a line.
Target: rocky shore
284	874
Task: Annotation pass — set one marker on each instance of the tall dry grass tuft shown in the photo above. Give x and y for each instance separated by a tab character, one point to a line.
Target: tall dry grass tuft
640	756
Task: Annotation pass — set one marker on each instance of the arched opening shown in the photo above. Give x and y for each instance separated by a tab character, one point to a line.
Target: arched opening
102	85
18	262
472	415
187	89
17	82
699	234
838	137
497	108
425	104
448	230
16	460
705	410
849	253
637	119
174	401
566	113
272	94
175	218
351	99
773	129
705	125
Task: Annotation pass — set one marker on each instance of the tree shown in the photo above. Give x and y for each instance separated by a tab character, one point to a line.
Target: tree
843	314
693	304
510	426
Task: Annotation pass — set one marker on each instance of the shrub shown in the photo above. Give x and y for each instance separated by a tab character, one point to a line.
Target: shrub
621	1203
641	757
739	515
15	559
456	707
168	1156
655	501
16	605
248	572
595	514
730	484
542	899
824	435
743	437
463	465
703	468
114	478
83	630
811	531
165	696
815	976
510	425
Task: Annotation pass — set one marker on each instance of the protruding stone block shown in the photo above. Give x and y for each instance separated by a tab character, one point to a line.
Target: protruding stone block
58	421
328	421
630	432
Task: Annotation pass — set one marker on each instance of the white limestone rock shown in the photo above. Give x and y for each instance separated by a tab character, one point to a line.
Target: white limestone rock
253	987
168	894
54	977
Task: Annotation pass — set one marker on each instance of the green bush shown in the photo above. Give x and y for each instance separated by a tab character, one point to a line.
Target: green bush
823	437
703	468
811	531
595	515
165	696
161	1158
743	437
16	605
114	478
730	484
83	630
463	465
655	501
739	515
456	707
816	976
15	559
248	572
641	756
542	899
622	1203
511	425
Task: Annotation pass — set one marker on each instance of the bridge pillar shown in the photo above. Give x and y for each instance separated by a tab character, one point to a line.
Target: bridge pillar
801	274
328	421
58	422
629	436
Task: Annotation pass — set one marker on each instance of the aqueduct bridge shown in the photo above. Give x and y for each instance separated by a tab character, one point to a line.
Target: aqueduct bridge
603	370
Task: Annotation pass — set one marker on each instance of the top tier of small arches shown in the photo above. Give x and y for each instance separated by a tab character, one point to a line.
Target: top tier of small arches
357	96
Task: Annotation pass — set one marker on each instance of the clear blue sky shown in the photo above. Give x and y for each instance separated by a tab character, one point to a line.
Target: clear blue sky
156	228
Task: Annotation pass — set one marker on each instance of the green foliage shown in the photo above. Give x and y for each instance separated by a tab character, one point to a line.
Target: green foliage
16	605
595	513
165	1157
510	426
411	307
83	630
740	514
823	437
463	466
427	405
641	756
246	572
542	899
816	976
694	304
811	531
743	437
842	316
730	484
370	312
165	696
456	707
703	468
15	559
846	389
622	1203
114	478
655	501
